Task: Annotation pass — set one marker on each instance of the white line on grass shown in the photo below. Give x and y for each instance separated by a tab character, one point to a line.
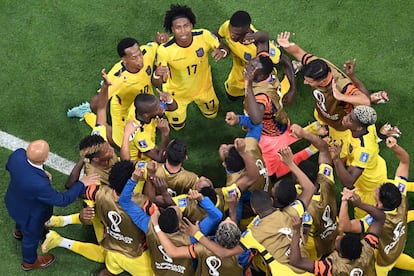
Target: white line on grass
54	161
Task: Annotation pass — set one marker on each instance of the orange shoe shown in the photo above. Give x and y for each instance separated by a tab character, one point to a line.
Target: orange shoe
42	261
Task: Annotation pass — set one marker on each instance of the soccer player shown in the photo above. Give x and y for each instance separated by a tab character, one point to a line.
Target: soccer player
139	135
131	76
390	197
322	210
262	103
242	39
227	235
270	232
334	92
123	244
353	255
168	222
188	77
178	179
366	169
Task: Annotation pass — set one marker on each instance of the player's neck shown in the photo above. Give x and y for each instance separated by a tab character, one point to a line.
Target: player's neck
184	44
172	169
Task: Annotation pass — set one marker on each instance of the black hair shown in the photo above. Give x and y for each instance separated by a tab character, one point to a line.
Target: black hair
316	69
143	103
176	152
240	19
351	246
178	11
125	43
267	64
120	173
285	193
310	169
89	145
260	201
210	193
234	162
390	196
168	220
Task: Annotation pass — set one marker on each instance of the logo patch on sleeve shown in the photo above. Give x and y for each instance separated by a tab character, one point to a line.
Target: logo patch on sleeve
142	144
364	157
182	202
306	217
327	171
369	220
247	56
401	187
272	52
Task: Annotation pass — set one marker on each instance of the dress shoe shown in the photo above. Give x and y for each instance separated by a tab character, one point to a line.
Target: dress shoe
42	261
17	234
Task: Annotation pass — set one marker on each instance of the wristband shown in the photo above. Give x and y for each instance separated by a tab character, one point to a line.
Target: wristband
224	51
198	235
155	76
157	228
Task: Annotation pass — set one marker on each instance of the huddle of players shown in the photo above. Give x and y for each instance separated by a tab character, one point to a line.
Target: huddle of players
163	201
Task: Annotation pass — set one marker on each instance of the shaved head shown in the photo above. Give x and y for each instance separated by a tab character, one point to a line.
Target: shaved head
38	151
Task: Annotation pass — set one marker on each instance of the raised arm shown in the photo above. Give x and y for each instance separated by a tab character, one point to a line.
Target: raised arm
349	67
157	153
252	172
137	215
321	145
402	155
295	257
377	214
255	110
347	176
194	230
286	156
290	47
356	98
345	224
169	247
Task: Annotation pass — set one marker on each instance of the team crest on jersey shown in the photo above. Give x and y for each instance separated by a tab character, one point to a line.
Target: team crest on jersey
148	71
327	171
200	52
247	56
182	202
401	187
142	144
364	157
272	52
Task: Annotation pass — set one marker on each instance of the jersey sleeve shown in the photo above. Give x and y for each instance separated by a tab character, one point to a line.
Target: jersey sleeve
162	56
323	267
274	52
362	157
224	29
211	39
91	192
327	171
401	183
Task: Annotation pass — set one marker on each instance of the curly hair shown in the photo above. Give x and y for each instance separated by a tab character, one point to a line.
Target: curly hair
120	173
365	115
228	235
168	220
351	246
178	11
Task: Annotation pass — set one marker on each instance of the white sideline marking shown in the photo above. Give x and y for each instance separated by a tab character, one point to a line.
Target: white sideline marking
54	161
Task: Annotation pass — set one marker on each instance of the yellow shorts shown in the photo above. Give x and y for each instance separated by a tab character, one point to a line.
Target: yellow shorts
117	263
206	100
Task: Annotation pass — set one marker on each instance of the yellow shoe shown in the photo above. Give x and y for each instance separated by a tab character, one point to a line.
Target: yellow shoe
55	221
52	240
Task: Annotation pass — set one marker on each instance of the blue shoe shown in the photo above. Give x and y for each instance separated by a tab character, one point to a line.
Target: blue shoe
79	111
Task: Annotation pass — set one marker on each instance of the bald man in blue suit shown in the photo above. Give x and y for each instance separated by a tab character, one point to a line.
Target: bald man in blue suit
30	198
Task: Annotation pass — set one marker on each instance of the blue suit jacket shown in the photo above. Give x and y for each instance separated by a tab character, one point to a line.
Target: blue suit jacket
30	196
